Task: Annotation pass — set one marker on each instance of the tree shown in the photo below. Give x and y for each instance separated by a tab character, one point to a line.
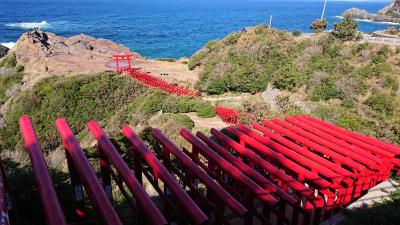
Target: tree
318	26
345	30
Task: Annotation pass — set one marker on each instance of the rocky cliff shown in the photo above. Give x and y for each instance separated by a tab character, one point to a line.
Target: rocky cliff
46	53
3	51
390	13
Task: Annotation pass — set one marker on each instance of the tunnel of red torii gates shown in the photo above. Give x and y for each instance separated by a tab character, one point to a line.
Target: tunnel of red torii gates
299	170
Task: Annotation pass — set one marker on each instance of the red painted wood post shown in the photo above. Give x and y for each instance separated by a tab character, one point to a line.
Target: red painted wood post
143	201
6	203
77	186
129	64
48	196
92	186
118	70
223	195
187	204
105	173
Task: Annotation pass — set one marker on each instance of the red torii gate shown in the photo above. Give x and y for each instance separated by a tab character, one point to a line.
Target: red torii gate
298	170
126	57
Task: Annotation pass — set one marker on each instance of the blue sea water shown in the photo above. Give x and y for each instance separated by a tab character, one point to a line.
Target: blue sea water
166	28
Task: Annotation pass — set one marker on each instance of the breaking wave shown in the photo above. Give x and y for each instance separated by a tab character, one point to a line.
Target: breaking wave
29	25
9	45
371	21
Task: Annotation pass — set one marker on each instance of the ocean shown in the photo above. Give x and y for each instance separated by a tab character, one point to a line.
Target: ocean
167	28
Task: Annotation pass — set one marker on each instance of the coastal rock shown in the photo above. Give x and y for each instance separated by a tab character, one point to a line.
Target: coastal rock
46	53
3	51
390	13
392	10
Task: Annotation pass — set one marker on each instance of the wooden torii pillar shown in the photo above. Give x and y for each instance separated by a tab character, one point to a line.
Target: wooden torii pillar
118	58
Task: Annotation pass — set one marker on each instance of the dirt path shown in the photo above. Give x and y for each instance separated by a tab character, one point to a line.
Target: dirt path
207	123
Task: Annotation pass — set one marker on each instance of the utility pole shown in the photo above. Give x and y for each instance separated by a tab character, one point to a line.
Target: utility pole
270	22
323	10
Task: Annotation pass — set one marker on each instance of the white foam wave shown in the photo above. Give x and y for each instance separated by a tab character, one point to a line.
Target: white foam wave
371	21
29	25
9	45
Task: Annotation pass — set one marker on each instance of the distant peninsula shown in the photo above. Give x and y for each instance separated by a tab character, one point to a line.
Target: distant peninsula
390	13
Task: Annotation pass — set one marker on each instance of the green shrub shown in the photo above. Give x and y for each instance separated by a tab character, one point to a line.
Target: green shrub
384	212
391	82
382	68
360	47
20	68
286	77
383	103
378	59
384	51
232	38
171	124
325	91
366	72
166	59
9	61
345	30
154	101
78	99
318	26
296	33
7	82
217	87
206	110
196	59
350	122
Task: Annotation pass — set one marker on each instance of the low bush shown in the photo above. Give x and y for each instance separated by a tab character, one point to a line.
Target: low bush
384	212
350	122
345	30
166	59
206	110
383	103
20	68
78	99
196	59
286	78
392	82
318	26
296	33
154	101
325	91
6	82
170	125
9	61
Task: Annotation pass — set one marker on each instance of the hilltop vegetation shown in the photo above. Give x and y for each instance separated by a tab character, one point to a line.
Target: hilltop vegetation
348	83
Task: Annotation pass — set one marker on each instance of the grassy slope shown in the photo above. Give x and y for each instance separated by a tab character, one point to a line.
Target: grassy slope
110	99
351	84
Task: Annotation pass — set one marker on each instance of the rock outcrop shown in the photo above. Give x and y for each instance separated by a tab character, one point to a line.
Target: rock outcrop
392	10
3	51
46	53
390	13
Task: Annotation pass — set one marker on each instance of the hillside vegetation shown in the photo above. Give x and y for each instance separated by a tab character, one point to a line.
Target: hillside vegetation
112	100
352	84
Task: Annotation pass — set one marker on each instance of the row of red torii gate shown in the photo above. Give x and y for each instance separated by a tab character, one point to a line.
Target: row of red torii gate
295	171
123	65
